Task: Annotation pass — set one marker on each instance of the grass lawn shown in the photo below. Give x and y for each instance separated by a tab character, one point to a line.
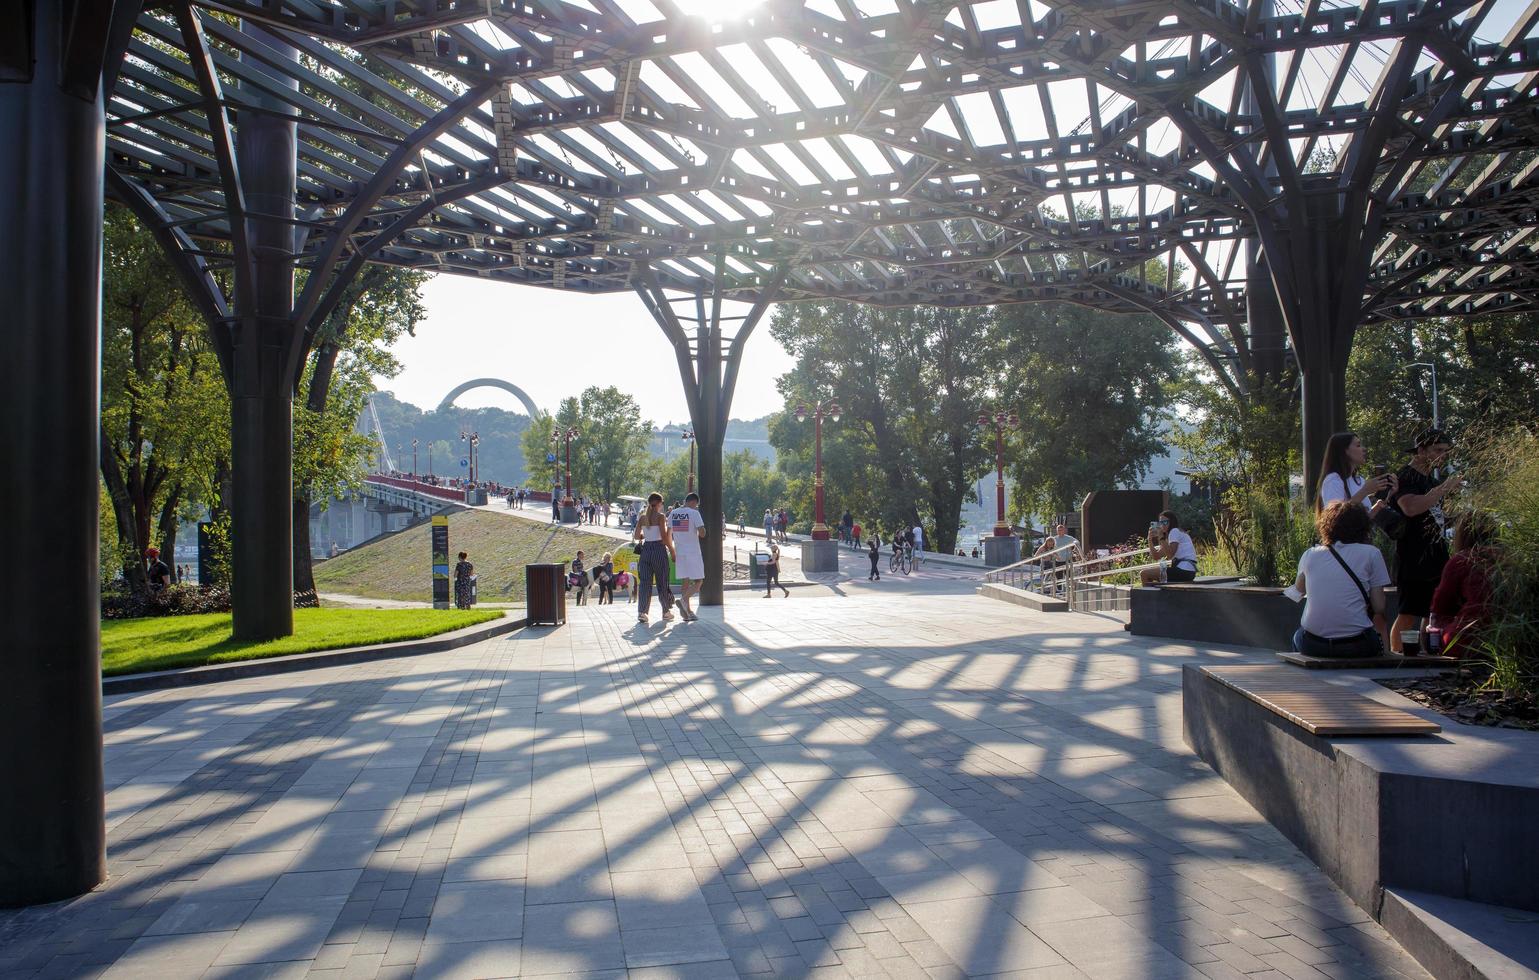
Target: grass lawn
130	646
397	567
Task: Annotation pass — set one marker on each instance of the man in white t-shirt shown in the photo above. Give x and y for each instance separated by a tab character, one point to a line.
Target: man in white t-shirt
918	539
688	527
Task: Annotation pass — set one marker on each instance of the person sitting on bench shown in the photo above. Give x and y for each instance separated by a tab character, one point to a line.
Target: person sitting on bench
1343	583
1172	548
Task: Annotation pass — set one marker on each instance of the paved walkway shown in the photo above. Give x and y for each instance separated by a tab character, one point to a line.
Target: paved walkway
870	784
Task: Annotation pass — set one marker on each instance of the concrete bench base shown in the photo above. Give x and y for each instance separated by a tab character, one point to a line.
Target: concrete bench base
1454	814
1457	940
1020	597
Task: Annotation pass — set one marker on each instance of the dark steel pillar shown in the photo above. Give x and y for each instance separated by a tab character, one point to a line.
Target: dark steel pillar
52	837
711	509
1323	328
261	402
1265	328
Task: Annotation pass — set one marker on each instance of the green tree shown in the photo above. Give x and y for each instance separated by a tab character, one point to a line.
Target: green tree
353	349
537	445
164	418
910	382
1091	391
611	450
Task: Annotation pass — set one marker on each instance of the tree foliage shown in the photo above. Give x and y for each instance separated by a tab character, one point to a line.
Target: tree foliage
912	383
164	415
1091	391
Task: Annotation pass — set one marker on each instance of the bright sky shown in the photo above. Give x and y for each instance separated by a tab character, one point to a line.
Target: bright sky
554	344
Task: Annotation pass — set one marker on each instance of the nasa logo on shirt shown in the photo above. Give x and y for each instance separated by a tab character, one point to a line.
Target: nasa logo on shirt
679	521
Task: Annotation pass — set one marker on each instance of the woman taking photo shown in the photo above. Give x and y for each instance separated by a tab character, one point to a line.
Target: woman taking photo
1344	456
652	564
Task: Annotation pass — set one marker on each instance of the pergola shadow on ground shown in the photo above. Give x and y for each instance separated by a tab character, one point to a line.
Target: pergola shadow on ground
1262	179
941	794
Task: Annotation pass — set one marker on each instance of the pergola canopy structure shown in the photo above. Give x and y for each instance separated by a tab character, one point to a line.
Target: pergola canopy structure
932	152
1259	175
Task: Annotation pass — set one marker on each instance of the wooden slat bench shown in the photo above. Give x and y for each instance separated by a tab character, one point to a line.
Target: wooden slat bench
1316	706
1391	661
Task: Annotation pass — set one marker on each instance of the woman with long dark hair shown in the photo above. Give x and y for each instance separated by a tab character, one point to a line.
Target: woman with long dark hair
1344	456
652	565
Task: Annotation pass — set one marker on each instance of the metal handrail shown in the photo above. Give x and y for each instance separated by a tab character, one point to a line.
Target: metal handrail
1078	582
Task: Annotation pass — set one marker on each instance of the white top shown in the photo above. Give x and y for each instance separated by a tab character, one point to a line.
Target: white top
685	523
1333	488
1333	607
1186	552
652	532
918	536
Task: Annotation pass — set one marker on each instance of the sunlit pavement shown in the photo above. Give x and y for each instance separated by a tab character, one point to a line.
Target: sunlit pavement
869	784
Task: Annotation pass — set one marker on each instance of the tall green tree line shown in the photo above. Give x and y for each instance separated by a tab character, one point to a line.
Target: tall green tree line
1088	388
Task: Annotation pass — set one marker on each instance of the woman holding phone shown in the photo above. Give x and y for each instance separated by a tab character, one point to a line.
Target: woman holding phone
652	565
1344	456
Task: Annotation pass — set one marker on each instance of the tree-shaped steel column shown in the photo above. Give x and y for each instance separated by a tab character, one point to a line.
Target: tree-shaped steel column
261	331
710	377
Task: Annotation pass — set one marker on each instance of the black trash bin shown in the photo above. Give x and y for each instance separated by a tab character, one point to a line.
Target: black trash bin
545	594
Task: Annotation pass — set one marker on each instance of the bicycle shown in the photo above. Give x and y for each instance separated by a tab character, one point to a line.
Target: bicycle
902	560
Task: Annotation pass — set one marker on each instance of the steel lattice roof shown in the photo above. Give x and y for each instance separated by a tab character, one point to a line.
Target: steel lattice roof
884	151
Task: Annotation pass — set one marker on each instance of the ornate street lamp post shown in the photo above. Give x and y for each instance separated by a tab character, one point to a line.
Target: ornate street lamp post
414	459
1003	548
688	435
471	439
1000	421
568	505
818	411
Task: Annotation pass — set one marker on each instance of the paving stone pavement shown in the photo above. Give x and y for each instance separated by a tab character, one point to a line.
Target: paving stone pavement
858	785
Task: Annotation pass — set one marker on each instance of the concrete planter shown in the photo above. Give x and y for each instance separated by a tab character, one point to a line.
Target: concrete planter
1232	615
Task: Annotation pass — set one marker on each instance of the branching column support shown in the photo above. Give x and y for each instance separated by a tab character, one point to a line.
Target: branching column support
52	135
263	336
709	372
1317	235
260	383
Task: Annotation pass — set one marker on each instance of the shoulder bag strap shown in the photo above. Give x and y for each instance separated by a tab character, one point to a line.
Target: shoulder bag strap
1367	606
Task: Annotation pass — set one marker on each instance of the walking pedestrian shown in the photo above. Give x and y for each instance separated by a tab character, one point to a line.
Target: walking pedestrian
772	573
769	526
875	554
687	528
578	579
652	567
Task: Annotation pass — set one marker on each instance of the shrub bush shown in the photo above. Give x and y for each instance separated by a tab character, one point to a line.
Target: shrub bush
1504	481
117	602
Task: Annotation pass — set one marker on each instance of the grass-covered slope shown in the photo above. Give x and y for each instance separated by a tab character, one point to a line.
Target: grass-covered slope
400	566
